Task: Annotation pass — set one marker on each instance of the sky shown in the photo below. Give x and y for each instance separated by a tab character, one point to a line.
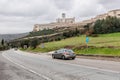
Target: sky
19	16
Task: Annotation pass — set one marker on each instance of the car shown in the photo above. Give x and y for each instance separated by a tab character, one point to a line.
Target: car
64	54
15	49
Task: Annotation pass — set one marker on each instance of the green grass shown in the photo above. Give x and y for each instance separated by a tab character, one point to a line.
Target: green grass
99	51
104	40
111	35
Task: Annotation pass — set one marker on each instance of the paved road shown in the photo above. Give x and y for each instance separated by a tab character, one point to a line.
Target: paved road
41	67
11	71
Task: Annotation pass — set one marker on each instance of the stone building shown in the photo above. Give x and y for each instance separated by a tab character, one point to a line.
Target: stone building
60	22
65	20
115	13
112	13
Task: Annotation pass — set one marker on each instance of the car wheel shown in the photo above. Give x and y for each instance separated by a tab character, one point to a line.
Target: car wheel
73	58
53	56
63	57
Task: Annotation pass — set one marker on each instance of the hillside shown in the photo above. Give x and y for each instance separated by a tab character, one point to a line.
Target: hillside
105	44
9	37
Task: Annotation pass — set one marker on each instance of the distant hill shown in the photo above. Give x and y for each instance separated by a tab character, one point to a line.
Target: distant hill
9	37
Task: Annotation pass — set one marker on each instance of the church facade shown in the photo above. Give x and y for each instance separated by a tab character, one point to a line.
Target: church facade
60	22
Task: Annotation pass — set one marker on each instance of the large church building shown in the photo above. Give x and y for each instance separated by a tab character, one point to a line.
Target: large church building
60	22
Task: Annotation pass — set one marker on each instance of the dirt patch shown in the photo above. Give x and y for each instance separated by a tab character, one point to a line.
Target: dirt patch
69	46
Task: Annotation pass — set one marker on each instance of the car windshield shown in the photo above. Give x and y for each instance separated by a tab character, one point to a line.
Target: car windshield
69	51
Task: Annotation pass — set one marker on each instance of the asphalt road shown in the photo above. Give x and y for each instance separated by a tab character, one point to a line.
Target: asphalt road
17	65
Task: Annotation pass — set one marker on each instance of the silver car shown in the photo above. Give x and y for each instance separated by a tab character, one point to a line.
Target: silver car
64	54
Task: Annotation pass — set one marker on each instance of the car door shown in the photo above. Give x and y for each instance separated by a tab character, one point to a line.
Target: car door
57	53
61	53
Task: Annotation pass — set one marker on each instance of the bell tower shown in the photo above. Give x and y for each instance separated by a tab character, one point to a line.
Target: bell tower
63	15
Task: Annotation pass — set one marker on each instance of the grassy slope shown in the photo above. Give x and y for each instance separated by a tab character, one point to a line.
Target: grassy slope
103	40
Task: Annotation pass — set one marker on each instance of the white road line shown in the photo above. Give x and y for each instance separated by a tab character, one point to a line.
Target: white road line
45	77
106	70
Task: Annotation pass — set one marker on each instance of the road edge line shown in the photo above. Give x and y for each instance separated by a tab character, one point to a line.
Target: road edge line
84	66
8	58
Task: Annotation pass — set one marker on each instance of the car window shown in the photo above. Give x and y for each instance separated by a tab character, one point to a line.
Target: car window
69	51
59	51
62	51
65	50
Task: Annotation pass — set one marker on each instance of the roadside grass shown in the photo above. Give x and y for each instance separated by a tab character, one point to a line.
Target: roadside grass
104	40
111	35
99	51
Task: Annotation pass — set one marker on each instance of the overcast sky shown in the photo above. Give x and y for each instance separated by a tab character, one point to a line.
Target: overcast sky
18	16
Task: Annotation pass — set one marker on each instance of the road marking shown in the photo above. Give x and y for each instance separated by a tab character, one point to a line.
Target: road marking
95	68
106	70
30	70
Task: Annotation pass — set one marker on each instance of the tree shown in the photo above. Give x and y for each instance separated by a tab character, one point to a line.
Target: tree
23	43
2	42
34	43
77	32
108	25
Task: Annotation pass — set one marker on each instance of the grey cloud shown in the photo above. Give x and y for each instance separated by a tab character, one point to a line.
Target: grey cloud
25	7
21	15
63	4
110	4
83	8
9	27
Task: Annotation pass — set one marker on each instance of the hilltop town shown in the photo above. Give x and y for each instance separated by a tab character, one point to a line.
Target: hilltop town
70	22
